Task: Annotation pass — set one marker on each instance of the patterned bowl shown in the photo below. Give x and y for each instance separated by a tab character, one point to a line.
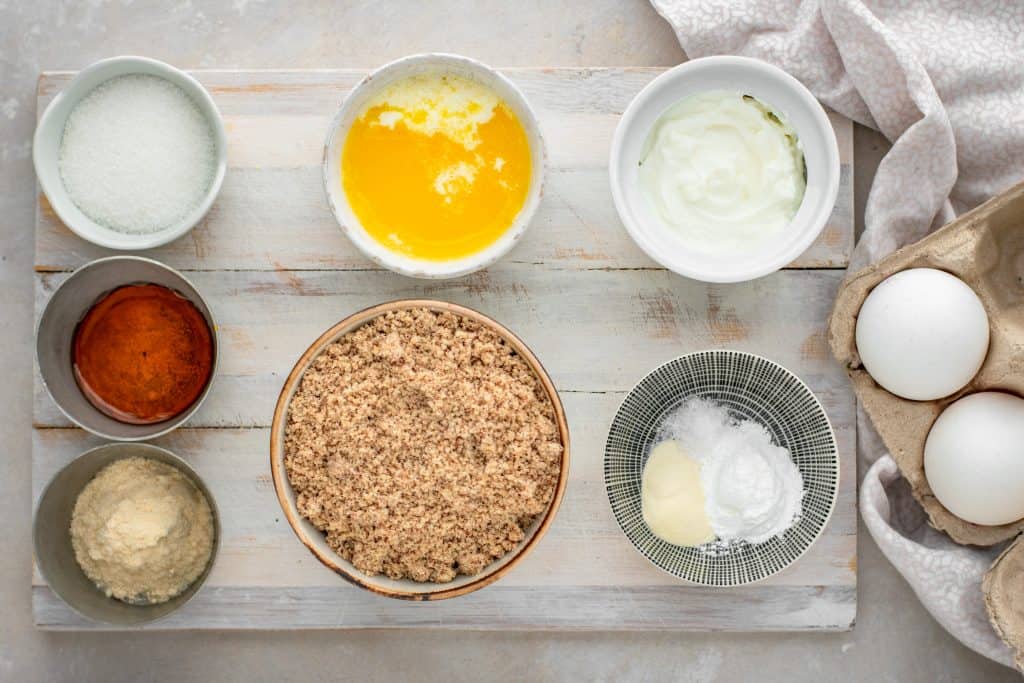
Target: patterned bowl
752	388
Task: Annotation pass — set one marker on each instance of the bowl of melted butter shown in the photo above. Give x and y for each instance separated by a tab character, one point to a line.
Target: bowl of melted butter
434	166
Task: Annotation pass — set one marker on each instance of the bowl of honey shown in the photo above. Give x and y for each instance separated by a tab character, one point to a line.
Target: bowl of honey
434	165
127	348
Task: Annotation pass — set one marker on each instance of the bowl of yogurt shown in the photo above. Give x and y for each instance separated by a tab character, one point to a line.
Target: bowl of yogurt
724	169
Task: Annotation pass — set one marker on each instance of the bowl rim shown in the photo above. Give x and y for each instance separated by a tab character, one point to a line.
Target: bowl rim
332	560
665	80
832	438
185	415
95	232
181	465
430	269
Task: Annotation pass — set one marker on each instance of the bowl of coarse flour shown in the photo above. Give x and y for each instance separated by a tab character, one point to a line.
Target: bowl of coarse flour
721	468
131	154
125	534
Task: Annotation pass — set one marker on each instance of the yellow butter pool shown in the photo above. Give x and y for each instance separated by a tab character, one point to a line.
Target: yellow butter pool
436	167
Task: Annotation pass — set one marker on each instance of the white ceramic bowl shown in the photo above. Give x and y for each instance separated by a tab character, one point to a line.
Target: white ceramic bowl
50	132
353	106
782	93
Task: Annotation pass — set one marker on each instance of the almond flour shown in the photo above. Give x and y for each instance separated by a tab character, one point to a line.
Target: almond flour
422	446
142	531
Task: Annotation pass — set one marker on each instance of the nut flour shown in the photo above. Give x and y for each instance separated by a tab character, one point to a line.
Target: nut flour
142	531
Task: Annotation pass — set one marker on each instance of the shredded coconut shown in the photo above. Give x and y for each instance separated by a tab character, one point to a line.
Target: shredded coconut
752	487
137	154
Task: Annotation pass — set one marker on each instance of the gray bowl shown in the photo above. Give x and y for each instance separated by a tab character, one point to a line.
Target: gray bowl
69	304
51	535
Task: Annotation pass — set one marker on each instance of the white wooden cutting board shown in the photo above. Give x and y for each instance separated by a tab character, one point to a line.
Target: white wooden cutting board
277	271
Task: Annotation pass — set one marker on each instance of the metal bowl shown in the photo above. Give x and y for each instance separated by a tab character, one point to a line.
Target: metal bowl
51	536
752	388
314	539
69	304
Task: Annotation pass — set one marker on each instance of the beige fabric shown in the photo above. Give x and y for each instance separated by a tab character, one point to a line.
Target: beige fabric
944	81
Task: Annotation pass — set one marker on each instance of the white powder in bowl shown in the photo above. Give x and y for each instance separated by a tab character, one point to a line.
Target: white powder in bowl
137	154
752	488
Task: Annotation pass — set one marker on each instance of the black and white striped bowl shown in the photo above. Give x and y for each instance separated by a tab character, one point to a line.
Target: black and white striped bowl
752	388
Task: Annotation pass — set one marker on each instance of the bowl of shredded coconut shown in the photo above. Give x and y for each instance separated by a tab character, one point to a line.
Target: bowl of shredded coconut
126	533
131	154
721	467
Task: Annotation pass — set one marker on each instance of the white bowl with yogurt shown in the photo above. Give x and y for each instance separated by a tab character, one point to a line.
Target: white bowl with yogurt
724	169
135	176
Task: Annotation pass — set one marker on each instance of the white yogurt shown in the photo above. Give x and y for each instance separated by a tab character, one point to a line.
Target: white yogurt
723	170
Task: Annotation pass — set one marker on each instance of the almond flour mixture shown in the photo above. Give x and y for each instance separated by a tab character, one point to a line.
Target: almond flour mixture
142	531
422	446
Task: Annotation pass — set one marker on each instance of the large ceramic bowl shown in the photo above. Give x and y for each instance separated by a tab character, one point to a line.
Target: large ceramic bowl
782	93
752	388
55	555
353	106
314	539
50	132
56	330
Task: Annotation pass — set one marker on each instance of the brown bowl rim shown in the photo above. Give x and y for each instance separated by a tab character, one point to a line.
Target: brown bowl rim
355	321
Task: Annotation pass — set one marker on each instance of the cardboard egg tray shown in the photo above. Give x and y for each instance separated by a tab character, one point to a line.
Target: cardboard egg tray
985	249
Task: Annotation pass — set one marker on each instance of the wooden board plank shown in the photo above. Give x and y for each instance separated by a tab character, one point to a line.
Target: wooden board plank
594	330
272	212
280	584
277	272
259	549
791	608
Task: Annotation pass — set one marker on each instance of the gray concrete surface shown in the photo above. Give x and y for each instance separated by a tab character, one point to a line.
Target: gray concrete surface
895	639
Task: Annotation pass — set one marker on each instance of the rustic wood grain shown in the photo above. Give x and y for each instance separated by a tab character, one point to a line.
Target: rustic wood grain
790	608
593	330
277	272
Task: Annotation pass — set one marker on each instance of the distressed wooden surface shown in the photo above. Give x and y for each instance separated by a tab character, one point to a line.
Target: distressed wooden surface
277	272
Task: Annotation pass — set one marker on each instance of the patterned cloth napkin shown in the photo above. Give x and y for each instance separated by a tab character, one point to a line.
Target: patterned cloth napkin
943	80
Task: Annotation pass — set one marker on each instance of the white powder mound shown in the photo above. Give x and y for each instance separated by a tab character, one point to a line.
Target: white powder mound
752	488
137	154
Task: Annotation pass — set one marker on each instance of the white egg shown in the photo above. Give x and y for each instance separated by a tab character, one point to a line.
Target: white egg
974	458
922	334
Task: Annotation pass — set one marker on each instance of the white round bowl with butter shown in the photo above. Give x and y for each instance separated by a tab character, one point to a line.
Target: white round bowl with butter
352	108
777	90
50	133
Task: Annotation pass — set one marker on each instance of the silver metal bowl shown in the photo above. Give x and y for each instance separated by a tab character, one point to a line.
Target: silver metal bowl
55	556
69	304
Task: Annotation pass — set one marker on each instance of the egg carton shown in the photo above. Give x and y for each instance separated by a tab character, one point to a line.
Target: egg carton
985	249
1004	599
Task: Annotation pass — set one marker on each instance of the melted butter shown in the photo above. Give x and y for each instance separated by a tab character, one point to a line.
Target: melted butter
436	167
